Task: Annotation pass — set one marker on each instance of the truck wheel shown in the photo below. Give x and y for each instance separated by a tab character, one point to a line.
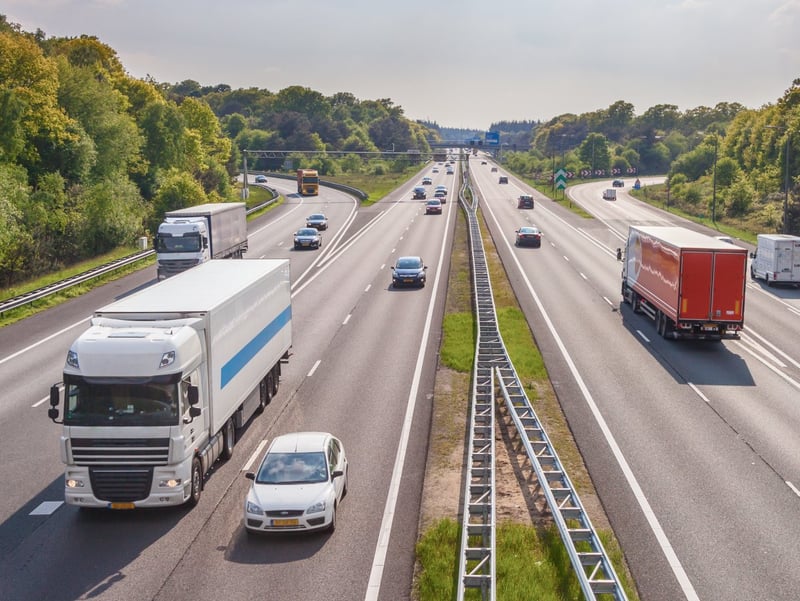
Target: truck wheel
752	273
276	377
197	483
264	394
228	439
635	302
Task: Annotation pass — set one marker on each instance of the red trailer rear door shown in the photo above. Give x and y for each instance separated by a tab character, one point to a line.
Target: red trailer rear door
729	285
695	293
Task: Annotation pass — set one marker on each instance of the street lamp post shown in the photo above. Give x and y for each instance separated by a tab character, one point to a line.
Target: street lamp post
714	185
785	228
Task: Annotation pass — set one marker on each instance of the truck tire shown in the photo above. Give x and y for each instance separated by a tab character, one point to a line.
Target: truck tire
276	377
197	482
228	439
264	393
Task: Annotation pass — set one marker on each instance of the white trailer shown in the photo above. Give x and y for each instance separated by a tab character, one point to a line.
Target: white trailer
776	259
193	235
155	389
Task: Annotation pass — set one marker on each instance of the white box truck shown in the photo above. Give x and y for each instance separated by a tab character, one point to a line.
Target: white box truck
190	236
776	259
155	389
610	194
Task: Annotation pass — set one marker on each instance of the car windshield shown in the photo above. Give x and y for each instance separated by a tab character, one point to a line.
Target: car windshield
293	468
528	230
178	244
408	263
307	232
317	217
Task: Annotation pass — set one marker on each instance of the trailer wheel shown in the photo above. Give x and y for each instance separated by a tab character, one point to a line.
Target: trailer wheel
635	303
264	394
197	482
228	439
276	377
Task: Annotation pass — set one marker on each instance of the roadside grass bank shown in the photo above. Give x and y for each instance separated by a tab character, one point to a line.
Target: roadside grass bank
376	186
531	562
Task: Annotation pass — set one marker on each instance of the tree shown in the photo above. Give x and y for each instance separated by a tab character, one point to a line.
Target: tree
112	215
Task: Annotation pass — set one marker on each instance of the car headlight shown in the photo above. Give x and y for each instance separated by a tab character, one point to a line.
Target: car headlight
317	507
251	507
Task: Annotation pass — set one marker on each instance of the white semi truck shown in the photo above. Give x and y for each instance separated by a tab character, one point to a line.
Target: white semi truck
776	259
156	388
190	236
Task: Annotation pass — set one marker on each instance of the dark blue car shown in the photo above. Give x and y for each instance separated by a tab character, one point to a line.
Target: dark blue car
409	271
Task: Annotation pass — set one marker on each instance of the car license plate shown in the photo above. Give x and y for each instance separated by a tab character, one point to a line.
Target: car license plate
286	522
122	506
408	281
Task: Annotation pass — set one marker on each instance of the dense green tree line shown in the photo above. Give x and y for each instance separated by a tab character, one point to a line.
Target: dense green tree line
90	158
727	162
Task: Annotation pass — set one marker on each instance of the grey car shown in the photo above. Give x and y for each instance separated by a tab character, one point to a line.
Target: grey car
317	221
307	237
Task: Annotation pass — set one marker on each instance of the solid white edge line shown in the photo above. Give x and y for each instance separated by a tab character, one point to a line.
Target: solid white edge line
254	455
793	487
698	393
644	504
379	559
43	340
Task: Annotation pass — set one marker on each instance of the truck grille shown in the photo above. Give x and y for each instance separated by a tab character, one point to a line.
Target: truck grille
176	265
120	485
120	451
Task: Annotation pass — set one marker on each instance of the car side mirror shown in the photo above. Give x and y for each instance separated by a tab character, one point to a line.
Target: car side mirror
250	476
425	268
336	474
752	255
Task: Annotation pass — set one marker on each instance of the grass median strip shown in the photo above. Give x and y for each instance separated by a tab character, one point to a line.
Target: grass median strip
532	561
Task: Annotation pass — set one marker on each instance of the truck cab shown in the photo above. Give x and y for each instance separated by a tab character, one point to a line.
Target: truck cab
181	243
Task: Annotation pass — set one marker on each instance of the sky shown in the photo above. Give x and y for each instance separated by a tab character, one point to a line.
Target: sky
459	63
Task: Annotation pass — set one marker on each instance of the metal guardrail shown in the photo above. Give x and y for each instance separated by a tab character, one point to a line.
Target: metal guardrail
106	268
360	194
589	559
60	286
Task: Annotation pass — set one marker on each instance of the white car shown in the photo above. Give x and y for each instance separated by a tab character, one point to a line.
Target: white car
299	484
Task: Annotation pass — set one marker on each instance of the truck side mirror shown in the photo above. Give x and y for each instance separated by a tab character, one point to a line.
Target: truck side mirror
195	412
752	255
619	254
193	395
55	397
205	243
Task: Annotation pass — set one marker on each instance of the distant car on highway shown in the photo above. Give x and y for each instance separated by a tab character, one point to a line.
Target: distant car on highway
441	195
317	221
493	169
409	271
261	179
433	207
484	163
307	237
298	486
502	179
420	193
618	183
528	236
525	201
426	181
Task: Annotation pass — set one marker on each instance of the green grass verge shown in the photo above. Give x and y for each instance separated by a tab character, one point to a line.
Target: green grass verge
376	186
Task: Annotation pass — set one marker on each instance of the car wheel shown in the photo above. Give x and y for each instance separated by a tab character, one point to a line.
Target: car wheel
197	483
344	486
332	525
228	440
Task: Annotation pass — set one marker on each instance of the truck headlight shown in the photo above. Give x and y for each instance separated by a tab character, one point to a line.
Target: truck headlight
73	483
170	482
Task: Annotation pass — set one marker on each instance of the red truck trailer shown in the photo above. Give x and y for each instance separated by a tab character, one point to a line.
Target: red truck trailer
690	284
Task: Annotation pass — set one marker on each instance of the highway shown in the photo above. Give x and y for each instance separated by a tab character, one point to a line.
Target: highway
363	363
692	446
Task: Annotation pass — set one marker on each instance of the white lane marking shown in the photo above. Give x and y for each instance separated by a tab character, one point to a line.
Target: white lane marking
37	403
314	368
566	258
346	319
642	336
43	340
758	348
644	504
699	393
46	507
772	368
751	332
246	467
583	275
368	287
379	559
605	298
793	487
383	265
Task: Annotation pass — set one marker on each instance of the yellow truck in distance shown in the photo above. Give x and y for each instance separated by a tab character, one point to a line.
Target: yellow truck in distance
307	182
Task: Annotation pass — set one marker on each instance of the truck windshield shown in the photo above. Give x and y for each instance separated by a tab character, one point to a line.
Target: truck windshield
122	401
178	244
